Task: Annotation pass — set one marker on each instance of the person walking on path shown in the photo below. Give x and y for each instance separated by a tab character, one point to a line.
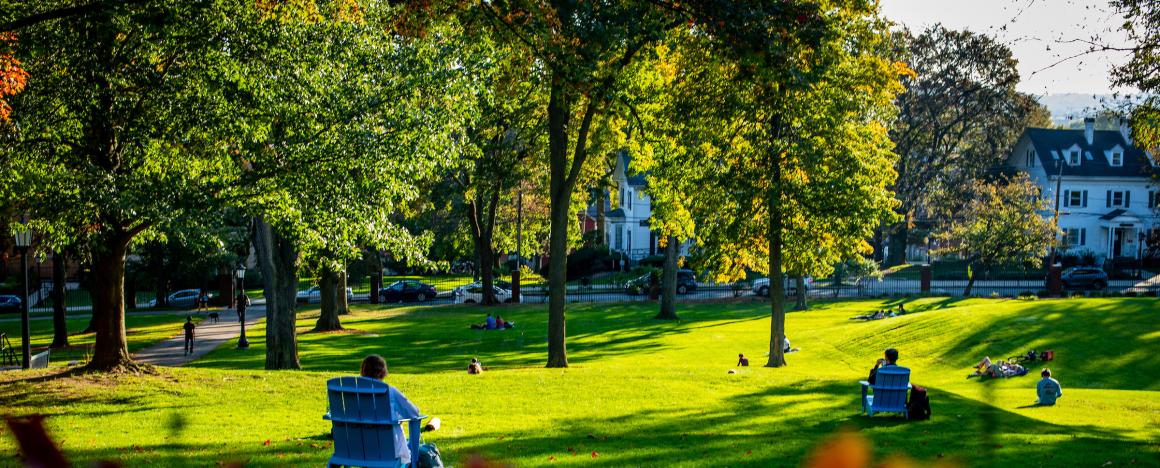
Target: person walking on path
243	301
189	326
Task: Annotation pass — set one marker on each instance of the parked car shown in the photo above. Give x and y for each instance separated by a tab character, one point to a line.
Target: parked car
407	290
1084	277
186	298
686	282
761	285
10	303
473	293
314	295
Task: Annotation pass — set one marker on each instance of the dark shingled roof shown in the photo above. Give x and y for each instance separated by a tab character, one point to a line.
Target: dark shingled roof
1093	163
1113	214
617	213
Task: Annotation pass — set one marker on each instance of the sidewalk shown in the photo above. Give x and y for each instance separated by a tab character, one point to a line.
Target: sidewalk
209	336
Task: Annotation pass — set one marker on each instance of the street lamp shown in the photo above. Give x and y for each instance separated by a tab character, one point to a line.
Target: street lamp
243	343
23	242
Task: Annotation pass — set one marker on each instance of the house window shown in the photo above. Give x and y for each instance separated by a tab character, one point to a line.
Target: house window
1075	237
629	201
619	237
1075	198
1153	199
1073	158
1117	159
1119	198
1030	158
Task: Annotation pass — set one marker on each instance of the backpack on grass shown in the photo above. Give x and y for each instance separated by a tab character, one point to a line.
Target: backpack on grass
918	408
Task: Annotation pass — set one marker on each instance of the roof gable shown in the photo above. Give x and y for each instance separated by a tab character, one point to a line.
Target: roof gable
1052	145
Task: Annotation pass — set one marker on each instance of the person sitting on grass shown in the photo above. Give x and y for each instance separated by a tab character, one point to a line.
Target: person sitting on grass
890	359
375	367
742	360
475	367
499	323
1048	389
999	369
490	322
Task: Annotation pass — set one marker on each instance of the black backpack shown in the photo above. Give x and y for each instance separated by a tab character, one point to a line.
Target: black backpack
918	408
428	456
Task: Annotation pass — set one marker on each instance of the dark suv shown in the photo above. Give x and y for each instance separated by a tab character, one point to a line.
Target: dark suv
1084	278
686	281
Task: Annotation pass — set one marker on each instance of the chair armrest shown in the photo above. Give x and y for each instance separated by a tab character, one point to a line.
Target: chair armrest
864	383
415	428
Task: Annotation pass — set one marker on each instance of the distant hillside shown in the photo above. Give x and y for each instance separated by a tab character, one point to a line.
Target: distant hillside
1073	106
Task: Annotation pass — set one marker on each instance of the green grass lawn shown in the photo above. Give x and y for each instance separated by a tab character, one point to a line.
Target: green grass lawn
142	331
646	393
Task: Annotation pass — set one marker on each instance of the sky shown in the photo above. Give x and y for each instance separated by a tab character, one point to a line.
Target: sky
1037	32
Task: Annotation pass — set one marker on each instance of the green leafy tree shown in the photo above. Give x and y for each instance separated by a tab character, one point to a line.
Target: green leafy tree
1000	226
117	136
1142	24
584	49
959	116
801	164
343	118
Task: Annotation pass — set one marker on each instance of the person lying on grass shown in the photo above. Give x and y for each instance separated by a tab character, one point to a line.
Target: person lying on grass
875	316
375	367
1048	389
1000	369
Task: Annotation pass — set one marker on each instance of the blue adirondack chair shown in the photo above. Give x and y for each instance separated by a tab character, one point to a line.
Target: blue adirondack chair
889	391
360	410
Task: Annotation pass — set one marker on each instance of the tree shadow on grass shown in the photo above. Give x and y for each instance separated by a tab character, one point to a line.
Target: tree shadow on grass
420	340
763	430
1120	355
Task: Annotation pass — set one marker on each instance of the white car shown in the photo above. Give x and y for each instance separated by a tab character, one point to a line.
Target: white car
182	298
473	294
314	296
761	285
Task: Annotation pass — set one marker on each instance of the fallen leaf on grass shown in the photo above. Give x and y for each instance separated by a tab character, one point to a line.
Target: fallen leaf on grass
594	454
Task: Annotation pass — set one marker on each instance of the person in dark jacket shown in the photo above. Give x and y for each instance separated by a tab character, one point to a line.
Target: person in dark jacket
890	359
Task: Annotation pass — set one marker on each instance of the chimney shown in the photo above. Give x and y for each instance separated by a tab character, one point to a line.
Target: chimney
1089	129
1125	130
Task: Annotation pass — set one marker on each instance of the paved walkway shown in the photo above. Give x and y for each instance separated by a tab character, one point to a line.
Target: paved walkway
210	335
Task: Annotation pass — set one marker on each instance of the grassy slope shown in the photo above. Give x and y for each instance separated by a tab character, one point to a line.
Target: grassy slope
642	392
142	331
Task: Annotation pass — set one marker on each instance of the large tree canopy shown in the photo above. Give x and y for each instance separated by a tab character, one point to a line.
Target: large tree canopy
116	134
959	116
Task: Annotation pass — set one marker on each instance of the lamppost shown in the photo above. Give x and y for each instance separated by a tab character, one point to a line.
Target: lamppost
243	343
23	242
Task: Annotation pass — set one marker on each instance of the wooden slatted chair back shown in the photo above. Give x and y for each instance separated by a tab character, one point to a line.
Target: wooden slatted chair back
360	409
890	388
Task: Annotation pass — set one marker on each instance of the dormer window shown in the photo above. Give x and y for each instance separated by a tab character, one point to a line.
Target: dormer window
1030	158
1117	159
1073	158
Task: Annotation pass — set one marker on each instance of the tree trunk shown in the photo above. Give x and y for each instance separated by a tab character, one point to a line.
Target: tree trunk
560	198
342	302
376	267
897	242
800	290
328	298
276	258
776	280
669	283
59	307
108	294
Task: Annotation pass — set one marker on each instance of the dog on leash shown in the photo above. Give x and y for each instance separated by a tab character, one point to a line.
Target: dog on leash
213	316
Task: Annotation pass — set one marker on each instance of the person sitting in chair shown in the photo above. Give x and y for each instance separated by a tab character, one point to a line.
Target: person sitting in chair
375	367
890	359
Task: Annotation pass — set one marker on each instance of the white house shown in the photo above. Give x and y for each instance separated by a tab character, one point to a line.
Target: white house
626	228
1106	191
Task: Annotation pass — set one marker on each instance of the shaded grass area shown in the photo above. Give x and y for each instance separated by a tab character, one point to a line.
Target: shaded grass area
647	393
141	332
